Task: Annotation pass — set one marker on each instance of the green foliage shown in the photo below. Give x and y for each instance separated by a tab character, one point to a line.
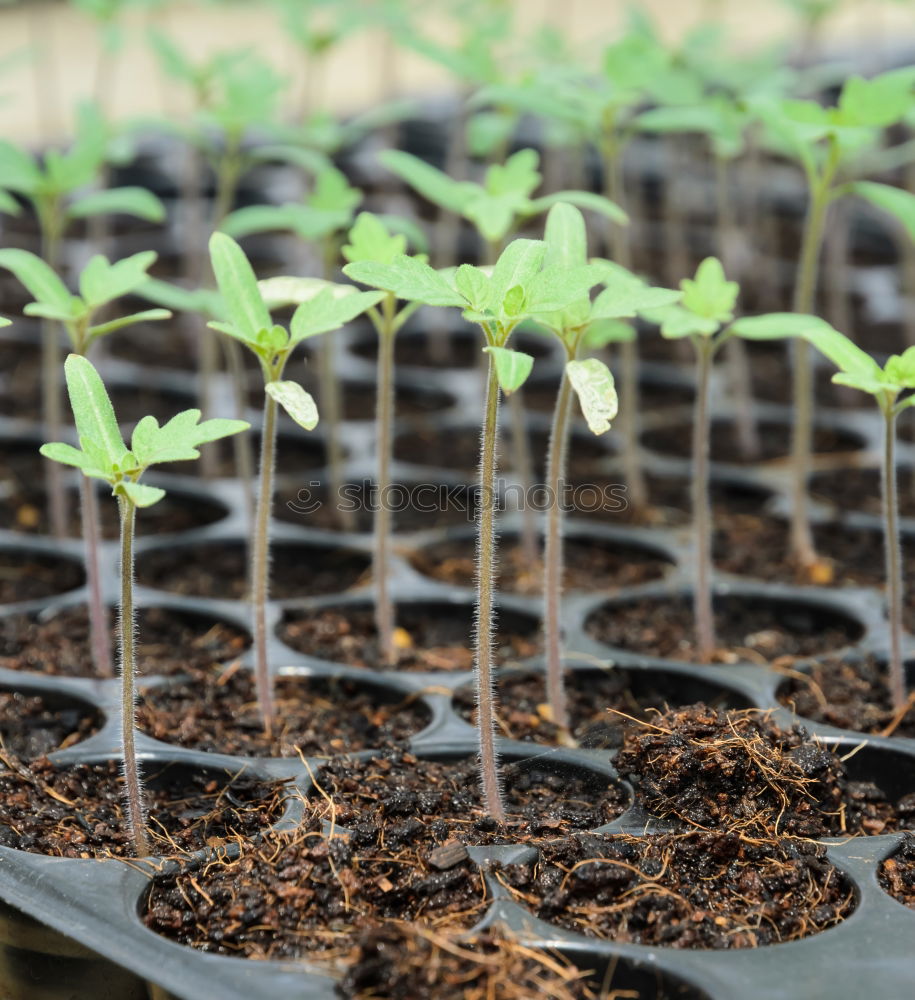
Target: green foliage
512	367
707	304
496	206
102	453
369	239
897	201
327	307
100	283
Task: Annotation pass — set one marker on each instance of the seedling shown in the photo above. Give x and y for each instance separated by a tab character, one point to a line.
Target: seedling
325	307
99	284
887	385
321	220
707	305
103	455
518	288
370	243
827	142
583	324
50	186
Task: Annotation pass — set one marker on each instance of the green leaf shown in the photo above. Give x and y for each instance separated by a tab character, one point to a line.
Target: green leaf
329	310
18	171
66	454
586	200
518	263
93	413
5	322
134	201
140	495
431	183
295	401
877	102
593	384
40	280
518	175
897	201
608	331
512	367
408	278
473	284
565	236
556	288
625	295
8	204
101	282
369	239
238	286
710	295
146	316
287	290
178	439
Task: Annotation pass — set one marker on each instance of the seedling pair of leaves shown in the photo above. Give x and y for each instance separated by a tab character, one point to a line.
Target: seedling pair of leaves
102	454
51	185
504	199
99	283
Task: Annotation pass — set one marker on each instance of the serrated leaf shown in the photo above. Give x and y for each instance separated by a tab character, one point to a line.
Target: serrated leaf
676	322
897	201
295	401
41	281
877	102
518	264
93	413
710	295
556	288
625	296
102	282
593	383
139	494
473	284
178	439
328	311
408	278
135	201
66	454
518	175
244	305
512	367
369	239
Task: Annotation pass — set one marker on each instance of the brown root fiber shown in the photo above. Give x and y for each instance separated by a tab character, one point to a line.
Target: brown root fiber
737	771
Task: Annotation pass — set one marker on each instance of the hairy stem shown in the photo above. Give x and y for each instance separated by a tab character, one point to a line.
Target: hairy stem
136	813
384	419
802	377
486	711
893	558
524	470
553	557
260	564
702	518
98	614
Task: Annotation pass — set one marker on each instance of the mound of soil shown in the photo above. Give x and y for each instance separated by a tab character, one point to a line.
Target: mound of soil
897	873
738	772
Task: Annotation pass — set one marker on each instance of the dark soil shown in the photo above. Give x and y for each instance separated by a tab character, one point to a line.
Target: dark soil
168	642
220	569
309	505
436	638
775	442
897	873
859	490
398	798
397	962
694	890
31	726
458	449
589	565
748	628
218	713
595	699
77	812
310	893
25	510
739	772
849	694
31	576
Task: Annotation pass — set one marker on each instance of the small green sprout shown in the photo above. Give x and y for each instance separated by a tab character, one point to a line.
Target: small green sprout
517	288
887	385
583	324
370	244
102	454
324	307
706	307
